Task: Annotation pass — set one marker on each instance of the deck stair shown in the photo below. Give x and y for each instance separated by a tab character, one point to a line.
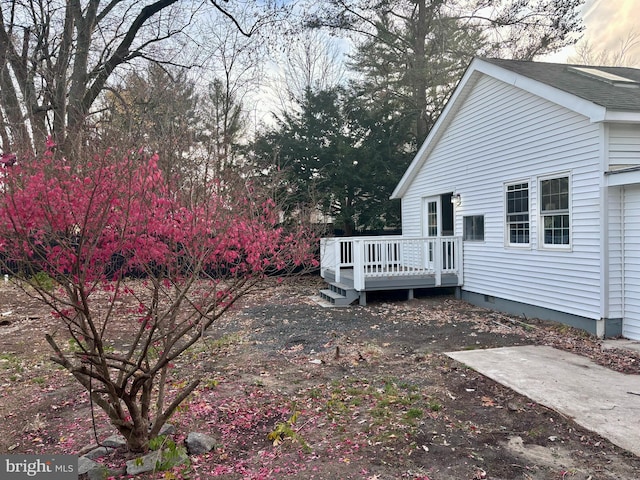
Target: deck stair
339	294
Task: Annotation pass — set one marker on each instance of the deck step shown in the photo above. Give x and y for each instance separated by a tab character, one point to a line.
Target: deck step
339	295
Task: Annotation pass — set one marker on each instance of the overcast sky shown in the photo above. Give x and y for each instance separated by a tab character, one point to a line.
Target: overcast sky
607	23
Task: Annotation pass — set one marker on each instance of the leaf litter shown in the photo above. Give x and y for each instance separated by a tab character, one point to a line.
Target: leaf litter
351	393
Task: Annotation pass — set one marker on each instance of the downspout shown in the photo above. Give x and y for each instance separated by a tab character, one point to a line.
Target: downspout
604	231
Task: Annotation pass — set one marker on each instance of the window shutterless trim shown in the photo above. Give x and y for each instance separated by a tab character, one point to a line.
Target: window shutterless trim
555	230
517	216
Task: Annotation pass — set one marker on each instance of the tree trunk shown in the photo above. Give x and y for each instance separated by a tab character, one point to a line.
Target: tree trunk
60	90
420	76
13	113
137	436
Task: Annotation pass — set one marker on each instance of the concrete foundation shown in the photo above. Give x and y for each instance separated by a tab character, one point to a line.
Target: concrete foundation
612	326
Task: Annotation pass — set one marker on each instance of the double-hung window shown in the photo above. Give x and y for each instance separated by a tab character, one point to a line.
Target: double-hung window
554	212
517	214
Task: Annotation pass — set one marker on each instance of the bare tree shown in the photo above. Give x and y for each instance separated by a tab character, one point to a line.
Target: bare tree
311	61
621	56
57	56
154	108
233	70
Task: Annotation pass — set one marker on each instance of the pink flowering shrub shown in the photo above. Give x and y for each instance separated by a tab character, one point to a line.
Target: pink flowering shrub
91	227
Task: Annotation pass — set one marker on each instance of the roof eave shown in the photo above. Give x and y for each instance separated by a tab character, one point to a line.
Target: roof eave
560	97
620	116
595	113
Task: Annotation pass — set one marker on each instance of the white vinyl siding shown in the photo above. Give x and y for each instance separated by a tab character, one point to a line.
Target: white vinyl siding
624	145
502	135
615	272
631	321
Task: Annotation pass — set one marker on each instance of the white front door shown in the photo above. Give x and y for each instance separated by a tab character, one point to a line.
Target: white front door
631	222
431	226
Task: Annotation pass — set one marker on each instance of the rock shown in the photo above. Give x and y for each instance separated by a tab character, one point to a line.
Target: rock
146	463
199	443
157	460
92	470
514	407
101	473
99	452
85	464
115	441
166	429
176	456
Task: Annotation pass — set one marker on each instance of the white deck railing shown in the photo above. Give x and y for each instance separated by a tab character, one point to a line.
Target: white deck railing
392	256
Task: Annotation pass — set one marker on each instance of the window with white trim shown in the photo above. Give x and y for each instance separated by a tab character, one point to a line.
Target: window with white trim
517	213
554	212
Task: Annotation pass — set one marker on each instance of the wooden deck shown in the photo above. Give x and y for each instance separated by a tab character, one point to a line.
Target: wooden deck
405	282
362	264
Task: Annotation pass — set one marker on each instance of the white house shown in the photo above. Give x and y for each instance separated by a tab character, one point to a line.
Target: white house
525	195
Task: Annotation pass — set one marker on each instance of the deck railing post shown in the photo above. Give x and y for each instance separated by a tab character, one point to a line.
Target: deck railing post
323	256
384	257
437	258
358	264
337	252
459	261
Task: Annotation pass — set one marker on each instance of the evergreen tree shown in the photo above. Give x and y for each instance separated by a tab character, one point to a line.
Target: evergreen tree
341	154
416	50
415	62
224	122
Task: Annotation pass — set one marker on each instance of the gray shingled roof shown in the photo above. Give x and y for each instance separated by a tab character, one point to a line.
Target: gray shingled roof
560	76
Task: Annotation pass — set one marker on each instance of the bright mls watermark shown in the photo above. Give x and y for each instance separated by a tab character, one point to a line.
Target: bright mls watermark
49	467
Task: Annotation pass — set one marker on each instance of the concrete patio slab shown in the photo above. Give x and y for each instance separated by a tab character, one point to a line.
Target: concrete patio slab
621	344
595	397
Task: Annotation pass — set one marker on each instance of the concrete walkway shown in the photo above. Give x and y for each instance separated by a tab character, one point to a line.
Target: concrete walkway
597	398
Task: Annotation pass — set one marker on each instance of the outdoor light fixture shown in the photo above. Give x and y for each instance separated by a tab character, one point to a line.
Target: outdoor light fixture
456	199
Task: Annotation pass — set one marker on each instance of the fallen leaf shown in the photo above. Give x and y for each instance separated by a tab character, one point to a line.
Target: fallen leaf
488	402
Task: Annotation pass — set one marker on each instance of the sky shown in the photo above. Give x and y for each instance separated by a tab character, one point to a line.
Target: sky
607	22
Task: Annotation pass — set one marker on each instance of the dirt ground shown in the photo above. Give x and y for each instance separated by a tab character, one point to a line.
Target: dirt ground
347	393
